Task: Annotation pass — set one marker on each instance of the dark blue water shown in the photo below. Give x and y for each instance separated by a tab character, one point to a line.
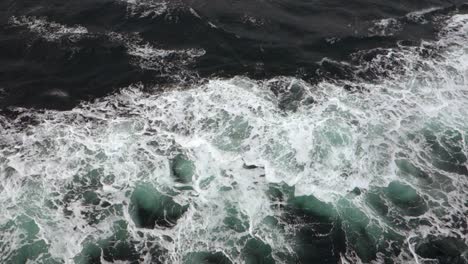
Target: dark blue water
259	39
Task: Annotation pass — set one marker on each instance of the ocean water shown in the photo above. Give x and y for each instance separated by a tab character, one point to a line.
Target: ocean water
257	132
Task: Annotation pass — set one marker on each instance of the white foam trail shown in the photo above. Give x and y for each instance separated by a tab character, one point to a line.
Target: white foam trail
391	26
49	30
145	55
149	57
418	16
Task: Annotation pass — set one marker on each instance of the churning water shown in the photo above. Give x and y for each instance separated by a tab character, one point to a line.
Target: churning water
371	168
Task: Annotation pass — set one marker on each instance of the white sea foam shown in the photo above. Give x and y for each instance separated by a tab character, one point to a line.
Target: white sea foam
418	16
386	27
391	26
145	55
49	30
147	8
342	141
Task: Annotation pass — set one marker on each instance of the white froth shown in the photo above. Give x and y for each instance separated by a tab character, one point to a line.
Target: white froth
48	29
418	16
391	26
342	141
385	27
145	55
146	8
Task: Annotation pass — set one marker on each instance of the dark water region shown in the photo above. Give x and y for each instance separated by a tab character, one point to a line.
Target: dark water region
258	132
259	39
